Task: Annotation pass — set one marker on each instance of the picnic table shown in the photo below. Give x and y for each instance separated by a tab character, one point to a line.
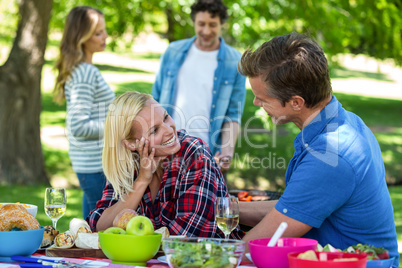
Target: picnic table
102	262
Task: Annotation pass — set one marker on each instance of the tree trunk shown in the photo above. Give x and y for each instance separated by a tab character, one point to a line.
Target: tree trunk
21	158
171	22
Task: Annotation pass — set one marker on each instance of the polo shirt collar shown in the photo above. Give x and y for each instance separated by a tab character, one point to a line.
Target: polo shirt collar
318	124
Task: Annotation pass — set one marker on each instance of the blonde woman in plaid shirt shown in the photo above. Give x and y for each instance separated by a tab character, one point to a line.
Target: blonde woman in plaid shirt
166	175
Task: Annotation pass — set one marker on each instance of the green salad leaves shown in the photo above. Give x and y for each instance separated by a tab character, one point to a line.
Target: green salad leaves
207	254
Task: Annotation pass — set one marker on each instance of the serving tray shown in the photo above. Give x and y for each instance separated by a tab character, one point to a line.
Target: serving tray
75	253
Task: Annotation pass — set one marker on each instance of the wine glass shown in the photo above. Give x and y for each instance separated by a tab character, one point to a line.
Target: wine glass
227	214
55	204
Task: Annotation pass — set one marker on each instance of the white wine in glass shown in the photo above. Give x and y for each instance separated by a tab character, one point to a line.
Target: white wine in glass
55	204
227	214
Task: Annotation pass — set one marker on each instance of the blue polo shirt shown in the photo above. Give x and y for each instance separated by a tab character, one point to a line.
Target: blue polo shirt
335	183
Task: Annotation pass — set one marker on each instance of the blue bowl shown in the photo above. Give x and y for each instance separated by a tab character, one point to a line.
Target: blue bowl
23	243
387	263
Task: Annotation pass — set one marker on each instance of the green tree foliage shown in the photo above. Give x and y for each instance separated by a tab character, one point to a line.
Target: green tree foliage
123	16
341	26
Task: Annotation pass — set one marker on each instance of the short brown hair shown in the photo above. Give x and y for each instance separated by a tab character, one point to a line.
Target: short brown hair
293	64
214	7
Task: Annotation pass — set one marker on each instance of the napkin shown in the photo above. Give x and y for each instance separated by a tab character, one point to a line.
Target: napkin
8	265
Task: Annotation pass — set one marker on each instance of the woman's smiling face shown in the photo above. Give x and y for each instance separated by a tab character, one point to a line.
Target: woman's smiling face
155	125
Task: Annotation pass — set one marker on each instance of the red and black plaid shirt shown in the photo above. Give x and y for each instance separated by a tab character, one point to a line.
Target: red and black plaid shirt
185	201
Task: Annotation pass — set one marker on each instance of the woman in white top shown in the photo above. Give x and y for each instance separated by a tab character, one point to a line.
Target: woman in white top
88	97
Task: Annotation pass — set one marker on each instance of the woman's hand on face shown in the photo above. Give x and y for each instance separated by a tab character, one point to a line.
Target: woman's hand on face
147	161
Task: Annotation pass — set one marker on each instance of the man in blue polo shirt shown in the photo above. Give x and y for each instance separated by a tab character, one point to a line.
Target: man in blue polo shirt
335	190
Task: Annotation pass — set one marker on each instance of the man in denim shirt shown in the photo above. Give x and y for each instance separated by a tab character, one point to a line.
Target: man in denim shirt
336	191
199	85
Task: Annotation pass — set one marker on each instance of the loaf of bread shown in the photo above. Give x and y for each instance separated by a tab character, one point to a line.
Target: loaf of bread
48	236
16	216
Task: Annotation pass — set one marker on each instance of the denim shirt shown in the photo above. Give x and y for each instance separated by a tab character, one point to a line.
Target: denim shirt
229	90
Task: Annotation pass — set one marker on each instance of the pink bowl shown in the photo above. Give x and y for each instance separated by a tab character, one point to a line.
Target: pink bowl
277	257
294	262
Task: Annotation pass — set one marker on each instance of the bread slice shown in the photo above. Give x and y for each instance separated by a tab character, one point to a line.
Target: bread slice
164	231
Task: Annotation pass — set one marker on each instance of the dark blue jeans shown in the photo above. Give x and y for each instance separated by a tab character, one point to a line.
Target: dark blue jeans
92	184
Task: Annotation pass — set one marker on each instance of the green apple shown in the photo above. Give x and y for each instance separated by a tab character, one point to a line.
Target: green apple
114	230
140	225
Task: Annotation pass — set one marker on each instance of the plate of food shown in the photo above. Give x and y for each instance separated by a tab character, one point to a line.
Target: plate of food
377	257
246	195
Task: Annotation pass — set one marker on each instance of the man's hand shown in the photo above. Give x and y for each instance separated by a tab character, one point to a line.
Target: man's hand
223	161
230	131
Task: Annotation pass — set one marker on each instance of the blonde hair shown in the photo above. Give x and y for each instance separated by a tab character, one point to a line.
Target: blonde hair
80	25
119	163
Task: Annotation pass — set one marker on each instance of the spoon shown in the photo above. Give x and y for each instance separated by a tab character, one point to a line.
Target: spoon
278	233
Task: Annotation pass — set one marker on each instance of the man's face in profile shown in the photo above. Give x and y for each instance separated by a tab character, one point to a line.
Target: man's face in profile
272	106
